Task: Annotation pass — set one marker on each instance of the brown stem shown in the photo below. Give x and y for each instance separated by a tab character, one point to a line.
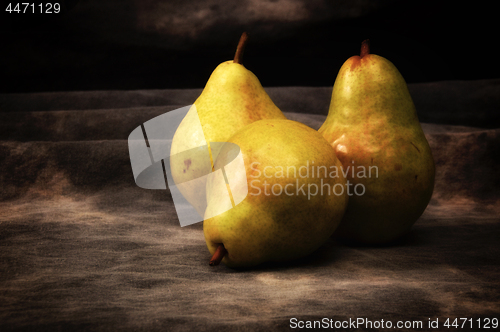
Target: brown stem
218	255
238	56
365	48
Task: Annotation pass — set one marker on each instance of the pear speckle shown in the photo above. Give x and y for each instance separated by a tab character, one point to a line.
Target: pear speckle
415	147
187	163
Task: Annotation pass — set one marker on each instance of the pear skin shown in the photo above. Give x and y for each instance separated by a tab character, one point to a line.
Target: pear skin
232	98
295	199
373	127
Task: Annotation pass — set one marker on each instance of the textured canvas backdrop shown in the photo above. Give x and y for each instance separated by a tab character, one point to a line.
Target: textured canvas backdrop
83	248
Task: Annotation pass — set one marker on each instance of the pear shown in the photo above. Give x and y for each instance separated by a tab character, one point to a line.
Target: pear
232	98
295	201
373	127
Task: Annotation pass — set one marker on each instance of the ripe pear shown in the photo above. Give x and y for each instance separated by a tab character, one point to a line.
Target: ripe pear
373	127
232	98
295	201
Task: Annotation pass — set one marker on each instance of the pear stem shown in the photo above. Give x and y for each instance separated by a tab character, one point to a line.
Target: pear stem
365	48
218	255
238	56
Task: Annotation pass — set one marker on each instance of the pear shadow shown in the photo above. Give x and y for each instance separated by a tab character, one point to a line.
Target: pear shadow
411	238
326	254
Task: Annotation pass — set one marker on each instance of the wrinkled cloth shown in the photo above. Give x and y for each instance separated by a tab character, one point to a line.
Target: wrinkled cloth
84	248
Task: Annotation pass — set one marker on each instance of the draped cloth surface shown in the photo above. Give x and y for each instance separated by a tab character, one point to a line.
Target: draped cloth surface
82	247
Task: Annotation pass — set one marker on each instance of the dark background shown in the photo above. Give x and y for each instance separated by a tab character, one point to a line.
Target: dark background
133	44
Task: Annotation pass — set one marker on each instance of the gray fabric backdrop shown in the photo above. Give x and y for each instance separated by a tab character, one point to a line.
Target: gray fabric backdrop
83	248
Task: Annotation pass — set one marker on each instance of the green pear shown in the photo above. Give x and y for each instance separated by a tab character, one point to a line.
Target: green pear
295	193
373	127
232	98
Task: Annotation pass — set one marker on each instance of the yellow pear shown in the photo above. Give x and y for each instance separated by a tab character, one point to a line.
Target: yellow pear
232	98
295	195
373	126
